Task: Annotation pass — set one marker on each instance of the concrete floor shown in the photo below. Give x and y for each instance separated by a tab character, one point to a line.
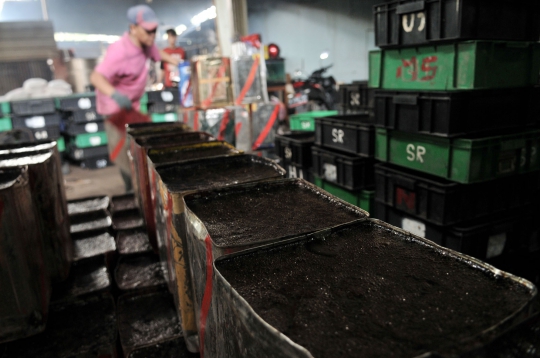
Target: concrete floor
82	183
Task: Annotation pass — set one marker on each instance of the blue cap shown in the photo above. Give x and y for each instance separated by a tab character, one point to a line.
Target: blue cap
144	16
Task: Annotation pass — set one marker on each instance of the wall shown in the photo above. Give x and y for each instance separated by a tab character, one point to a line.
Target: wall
304	30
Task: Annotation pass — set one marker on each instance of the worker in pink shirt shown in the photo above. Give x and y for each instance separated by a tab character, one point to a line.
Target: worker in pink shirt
120	80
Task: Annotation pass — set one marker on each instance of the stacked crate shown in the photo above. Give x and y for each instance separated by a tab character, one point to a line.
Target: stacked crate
162	106
456	106
37	117
84	131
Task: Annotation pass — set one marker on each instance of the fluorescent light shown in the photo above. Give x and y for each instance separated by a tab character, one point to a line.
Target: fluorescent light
324	55
180	29
77	37
203	16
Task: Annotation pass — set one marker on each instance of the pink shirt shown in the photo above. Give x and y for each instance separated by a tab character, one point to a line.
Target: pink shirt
125	66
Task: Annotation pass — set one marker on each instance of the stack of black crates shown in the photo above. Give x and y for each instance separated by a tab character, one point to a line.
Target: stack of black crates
456	105
339	155
37	117
84	131
161	106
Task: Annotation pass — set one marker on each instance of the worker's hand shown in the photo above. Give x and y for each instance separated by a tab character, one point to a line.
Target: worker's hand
121	100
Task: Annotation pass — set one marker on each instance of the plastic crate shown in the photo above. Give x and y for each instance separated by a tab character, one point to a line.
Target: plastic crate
83	101
306	121
86	153
5	124
349	172
161	107
61	144
33	106
458	66
353	134
73	128
364	199
453	114
295	148
403	23
88	140
37	121
44	133
463	160
84	116
95	162
164	117
171	96
5	109
442	202
484	239
356	97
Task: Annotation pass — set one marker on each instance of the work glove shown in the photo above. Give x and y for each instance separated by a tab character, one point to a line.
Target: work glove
121	100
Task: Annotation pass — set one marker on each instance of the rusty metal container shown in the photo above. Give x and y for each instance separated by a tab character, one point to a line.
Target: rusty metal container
47	186
24	280
176	180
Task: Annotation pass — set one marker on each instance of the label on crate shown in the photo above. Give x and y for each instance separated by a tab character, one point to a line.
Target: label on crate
496	245
306	125
330	172
91	127
41	135
78	154
101	163
288	153
415	153
95	141
414	227
90	116
35	122
170	117
338	136
167	96
84	103
355	99
405	200
295	173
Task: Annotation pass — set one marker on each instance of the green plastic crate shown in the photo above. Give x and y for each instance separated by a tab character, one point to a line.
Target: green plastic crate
457	66
88	140
5	124
5	108
164	117
306	121
364	199
61	144
461	160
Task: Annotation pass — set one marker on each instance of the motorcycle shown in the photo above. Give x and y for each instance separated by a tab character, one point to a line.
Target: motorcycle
316	93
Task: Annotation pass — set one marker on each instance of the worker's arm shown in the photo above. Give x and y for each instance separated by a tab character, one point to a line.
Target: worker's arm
168	58
103	85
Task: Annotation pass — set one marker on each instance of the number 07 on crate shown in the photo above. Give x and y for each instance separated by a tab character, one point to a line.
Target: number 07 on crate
458	66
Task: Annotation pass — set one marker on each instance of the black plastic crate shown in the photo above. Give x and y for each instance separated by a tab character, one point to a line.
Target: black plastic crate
356	97
33	106
77	103
161	107
37	121
74	128
451	114
83	116
353	134
295	148
169	95
95	162
442	202
485	239
87	153
413	22
349	172
45	133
